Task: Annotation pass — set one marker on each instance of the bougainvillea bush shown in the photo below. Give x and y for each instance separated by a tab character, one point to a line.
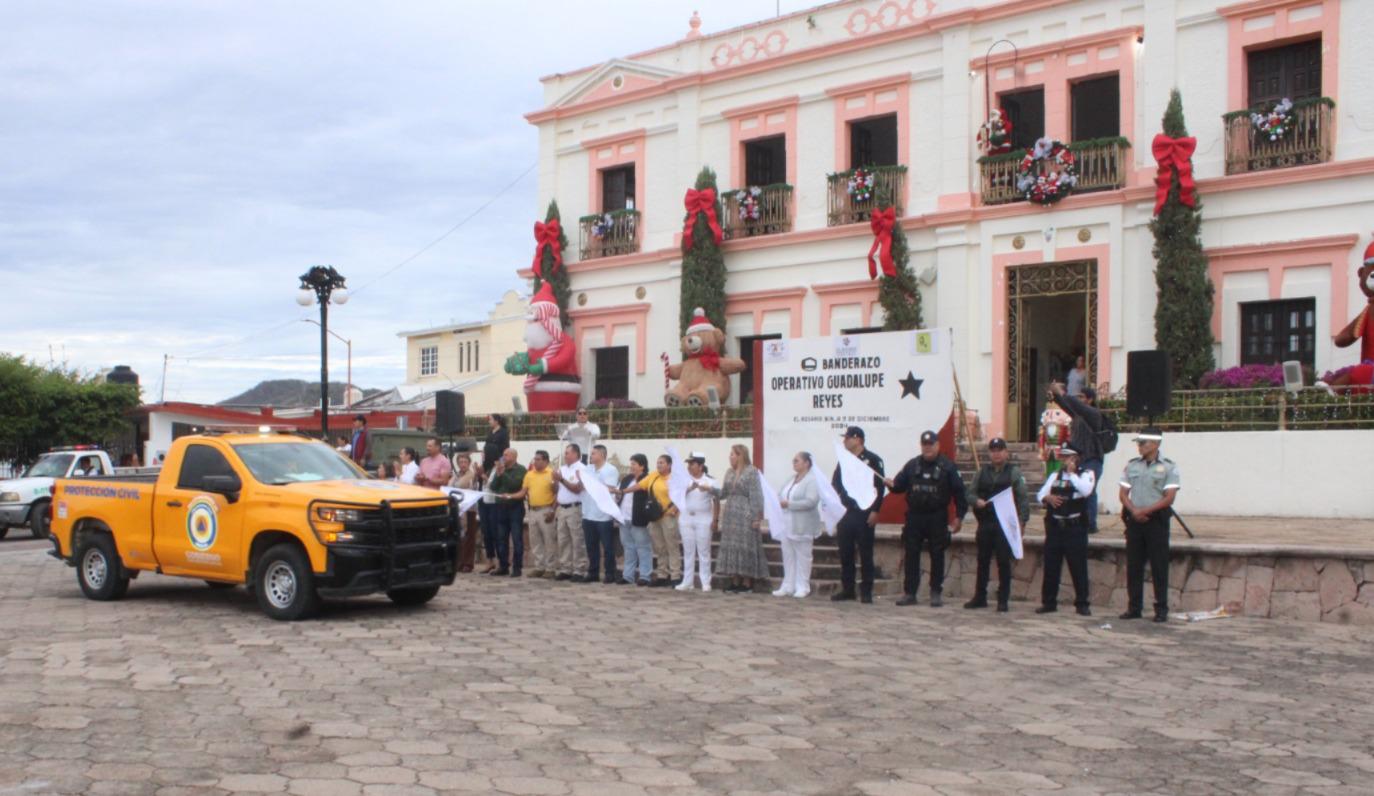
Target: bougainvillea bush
1243	377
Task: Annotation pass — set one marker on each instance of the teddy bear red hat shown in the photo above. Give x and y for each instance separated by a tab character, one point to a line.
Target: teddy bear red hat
700	323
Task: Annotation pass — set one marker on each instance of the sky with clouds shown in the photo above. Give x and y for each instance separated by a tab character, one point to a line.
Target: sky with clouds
168	168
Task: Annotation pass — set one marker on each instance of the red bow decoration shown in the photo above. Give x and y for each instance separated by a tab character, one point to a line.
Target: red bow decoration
1174	154
547	235
703	201
710	358
881	223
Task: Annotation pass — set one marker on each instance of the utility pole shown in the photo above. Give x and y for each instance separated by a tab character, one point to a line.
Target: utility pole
162	391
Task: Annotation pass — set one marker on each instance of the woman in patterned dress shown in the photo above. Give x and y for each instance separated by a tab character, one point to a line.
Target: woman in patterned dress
741	544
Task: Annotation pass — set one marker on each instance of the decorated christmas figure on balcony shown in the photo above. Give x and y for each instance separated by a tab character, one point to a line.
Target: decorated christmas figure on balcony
702	367
994	137
550	364
1360	377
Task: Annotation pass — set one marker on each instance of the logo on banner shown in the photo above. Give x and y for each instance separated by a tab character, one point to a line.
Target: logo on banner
202	522
809	364
775	351
846	346
926	343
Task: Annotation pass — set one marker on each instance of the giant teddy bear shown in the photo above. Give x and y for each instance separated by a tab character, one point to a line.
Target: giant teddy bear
550	364
1359	377
702	366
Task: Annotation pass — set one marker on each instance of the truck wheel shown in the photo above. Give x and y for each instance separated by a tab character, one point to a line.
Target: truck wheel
418	596
4	531
38	520
98	569
284	584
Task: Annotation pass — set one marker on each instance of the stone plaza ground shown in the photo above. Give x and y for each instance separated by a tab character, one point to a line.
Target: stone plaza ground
523	687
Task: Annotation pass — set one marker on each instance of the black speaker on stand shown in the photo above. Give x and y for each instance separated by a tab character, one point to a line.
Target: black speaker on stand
1149	384
449	413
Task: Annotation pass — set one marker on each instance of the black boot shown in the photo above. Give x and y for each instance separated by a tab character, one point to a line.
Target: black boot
841	596
977	602
907	599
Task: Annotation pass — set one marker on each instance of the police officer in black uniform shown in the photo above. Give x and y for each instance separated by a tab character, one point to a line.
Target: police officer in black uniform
997	476
929	481
1065	497
855	529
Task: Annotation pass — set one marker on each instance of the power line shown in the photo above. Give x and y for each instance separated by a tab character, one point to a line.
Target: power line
393	269
450	231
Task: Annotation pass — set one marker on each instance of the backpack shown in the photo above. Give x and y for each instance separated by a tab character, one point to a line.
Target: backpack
1107	436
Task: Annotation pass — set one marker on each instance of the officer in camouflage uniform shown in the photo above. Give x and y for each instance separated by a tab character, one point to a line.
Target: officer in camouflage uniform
994	477
929	481
1148	488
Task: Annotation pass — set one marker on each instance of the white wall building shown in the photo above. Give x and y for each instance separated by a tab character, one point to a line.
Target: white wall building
902	83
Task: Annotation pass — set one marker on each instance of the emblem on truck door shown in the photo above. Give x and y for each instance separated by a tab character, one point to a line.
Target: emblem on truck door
202	522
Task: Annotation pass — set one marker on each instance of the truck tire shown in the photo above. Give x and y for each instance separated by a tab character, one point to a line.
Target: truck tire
98	568
4	531
418	596
38	519
284	584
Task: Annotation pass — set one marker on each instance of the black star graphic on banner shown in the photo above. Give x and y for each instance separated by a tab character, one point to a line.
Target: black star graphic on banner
911	385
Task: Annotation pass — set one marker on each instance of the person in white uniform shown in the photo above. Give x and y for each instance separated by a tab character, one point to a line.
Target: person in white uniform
698	519
801	498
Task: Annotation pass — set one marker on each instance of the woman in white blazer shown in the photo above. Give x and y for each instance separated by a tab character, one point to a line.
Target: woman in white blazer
801	498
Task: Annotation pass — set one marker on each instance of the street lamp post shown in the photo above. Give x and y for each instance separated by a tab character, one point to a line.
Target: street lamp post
348	400
323	284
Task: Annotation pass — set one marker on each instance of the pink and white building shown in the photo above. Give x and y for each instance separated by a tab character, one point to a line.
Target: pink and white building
792	104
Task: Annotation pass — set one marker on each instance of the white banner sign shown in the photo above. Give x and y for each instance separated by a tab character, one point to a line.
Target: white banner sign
893	385
1004	503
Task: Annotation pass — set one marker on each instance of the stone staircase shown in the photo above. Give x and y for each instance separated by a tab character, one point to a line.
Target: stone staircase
825	569
1024	455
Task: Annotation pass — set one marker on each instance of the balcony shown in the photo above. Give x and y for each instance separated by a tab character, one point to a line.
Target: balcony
767	212
1101	167
1310	140
888	182
609	234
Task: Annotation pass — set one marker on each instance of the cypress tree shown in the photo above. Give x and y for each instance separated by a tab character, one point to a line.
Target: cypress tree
900	295
1183	307
703	266
562	290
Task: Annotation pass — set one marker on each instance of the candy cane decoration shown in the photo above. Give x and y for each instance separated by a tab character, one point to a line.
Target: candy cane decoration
664	357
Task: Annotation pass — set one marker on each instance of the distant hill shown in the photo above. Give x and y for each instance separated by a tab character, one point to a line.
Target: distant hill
289	393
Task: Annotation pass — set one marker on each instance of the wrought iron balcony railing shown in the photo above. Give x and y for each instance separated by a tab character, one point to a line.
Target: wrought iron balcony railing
757	210
852	206
1311	138
609	234
1101	166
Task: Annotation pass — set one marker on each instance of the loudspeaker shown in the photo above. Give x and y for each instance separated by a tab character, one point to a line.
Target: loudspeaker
1149	383
448	412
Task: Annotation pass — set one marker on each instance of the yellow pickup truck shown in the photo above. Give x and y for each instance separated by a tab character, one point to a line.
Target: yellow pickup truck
288	516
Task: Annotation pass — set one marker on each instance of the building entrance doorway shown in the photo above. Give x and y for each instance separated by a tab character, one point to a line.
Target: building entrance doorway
1051	321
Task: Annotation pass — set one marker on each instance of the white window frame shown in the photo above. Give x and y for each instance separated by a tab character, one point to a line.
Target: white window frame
429	360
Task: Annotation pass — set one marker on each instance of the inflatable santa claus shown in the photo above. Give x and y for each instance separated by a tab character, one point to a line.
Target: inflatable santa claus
1360	376
550	363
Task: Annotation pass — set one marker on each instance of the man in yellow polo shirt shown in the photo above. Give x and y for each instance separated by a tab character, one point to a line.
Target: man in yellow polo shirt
537	490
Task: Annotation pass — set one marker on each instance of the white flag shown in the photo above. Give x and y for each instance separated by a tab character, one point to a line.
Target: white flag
779	524
597	491
1004	503
856	476
678	479
832	510
467	498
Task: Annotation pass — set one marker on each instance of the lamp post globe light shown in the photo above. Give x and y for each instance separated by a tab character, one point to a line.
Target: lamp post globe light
323	285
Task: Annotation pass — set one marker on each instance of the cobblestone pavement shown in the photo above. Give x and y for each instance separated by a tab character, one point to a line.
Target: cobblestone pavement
520	687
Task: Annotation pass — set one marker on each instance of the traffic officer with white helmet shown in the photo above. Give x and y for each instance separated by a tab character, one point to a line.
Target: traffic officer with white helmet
1148	489
1065	497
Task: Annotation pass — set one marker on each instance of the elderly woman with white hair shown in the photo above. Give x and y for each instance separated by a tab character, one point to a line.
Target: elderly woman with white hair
801	498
